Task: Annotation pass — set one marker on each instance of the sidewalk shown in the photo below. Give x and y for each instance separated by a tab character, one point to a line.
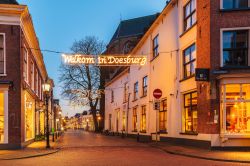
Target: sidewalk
35	149
216	155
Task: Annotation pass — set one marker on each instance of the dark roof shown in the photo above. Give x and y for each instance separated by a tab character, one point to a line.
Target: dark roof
9	2
134	27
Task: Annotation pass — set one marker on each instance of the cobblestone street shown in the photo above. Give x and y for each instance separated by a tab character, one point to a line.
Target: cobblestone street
82	148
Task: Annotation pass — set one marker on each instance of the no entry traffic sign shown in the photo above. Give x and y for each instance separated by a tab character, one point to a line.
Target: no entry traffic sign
157	93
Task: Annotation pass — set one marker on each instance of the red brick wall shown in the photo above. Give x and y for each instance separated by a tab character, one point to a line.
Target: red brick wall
13	69
210	19
204	60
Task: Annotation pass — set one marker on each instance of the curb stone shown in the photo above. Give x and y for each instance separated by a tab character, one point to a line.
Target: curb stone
200	157
31	156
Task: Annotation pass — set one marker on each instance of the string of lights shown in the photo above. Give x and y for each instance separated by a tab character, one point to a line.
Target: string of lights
60	52
101	90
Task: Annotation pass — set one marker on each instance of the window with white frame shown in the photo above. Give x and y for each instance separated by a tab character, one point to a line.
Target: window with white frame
112	96
143	119
37	83
25	65
134	119
144	86
125	96
189	14
235	4
235	104
189	65
2	55
32	68
136	89
3	117
235	45
156	46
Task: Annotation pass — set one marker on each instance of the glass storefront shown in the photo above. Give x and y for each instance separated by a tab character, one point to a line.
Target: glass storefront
29	117
235	100
2	117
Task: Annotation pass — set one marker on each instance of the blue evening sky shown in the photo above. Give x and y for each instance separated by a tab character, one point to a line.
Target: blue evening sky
59	23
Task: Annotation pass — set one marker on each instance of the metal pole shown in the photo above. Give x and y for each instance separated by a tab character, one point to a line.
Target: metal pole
47	122
128	111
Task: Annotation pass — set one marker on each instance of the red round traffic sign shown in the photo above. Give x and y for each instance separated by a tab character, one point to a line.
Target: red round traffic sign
157	93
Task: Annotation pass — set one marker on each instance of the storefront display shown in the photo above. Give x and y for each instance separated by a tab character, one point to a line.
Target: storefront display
29	117
236	108
1	117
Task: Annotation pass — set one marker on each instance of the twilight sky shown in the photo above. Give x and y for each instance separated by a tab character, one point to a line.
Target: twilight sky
58	23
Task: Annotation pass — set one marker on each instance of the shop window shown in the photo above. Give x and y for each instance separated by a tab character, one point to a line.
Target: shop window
136	89
2	125
29	117
135	119
117	119
236	108
189	56
190	112
110	122
235	48
156	46
123	120
145	86
163	116
236	4
2	55
189	14
143	119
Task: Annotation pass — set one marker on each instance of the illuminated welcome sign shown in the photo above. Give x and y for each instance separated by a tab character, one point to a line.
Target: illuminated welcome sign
105	60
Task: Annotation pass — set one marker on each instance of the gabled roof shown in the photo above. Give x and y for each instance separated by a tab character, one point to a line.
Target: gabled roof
14	2
134	27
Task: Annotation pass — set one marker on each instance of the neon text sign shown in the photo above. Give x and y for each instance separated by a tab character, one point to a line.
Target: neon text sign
105	60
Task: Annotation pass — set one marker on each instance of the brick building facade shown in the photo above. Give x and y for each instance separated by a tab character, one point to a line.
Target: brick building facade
22	73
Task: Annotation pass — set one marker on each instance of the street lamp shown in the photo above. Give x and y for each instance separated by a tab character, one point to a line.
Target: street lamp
46	90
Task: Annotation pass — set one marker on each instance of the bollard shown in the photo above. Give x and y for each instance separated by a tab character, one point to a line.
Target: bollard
138	137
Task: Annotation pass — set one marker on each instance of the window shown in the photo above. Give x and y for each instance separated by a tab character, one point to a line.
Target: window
112	96
163	116
155	46
235	100
37	83
2	121
144	86
235	48
190	112
117	119
32	75
2	55
143	119
236	4
25	65
135	119
110	122
189	61
189	14
123	120
136	91
125	98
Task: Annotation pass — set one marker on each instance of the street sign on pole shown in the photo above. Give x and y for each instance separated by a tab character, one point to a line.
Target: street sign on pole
157	93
